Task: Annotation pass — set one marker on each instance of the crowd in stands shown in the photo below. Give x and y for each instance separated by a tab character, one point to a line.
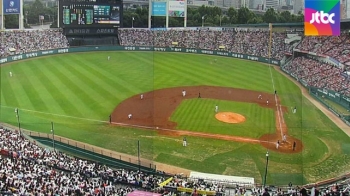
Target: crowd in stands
316	73
18	42
28	169
337	47
244	41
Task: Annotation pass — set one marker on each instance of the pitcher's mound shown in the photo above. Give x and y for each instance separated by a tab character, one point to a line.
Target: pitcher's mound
230	117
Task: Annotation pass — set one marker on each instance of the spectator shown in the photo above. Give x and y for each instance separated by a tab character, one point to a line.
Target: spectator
30	169
251	42
19	42
313	72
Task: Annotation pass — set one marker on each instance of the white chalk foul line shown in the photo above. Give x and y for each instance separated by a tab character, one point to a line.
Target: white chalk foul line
53	114
278	111
132	125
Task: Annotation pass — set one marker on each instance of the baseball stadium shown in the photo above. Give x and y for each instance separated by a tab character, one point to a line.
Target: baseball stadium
242	110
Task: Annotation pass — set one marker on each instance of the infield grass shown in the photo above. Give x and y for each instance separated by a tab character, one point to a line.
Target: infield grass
199	115
79	91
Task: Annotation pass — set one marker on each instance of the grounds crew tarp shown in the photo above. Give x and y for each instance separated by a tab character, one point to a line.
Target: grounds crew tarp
222	178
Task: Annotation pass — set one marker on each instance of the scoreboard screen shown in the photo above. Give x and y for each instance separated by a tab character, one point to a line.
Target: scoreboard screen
87	13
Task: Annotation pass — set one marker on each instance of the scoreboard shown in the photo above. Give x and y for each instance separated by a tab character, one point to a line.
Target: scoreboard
90	13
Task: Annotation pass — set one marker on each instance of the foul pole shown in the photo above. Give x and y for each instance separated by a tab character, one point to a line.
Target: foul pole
2	15
270	42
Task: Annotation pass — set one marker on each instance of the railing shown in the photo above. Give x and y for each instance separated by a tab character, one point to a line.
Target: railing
94	149
87	147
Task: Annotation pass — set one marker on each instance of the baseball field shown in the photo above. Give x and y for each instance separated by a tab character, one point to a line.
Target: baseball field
78	92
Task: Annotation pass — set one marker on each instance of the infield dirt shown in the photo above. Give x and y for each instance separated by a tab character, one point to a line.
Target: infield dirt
154	110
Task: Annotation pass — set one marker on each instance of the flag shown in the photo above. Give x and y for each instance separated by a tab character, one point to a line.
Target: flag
202	17
133	18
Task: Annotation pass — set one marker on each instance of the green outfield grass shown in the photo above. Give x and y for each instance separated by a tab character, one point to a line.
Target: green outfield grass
79	91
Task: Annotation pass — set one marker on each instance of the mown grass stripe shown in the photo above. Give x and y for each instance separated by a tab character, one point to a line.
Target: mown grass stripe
31	93
187	110
189	116
37	81
176	71
40	77
208	109
195	114
50	82
200	115
8	92
102	72
191	73
2	99
97	96
201	71
124	72
184	114
109	78
215	73
109	83
18	82
85	101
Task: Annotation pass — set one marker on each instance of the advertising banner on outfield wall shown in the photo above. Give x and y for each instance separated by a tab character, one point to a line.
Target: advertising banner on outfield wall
158	8
177	8
11	6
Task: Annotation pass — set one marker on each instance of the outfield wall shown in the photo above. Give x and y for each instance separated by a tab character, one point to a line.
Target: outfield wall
344	101
137	48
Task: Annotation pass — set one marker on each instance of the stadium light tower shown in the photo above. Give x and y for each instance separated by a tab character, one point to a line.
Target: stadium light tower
267	163
132	22
203	17
1	19
138	154
18	122
53	137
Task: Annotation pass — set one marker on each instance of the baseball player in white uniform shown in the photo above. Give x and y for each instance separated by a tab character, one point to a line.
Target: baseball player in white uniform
183	93
141	96
216	108
184	142
108	57
130	116
284	138
10	74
